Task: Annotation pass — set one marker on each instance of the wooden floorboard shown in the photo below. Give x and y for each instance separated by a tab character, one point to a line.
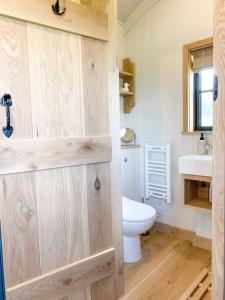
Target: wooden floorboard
168	267
200	287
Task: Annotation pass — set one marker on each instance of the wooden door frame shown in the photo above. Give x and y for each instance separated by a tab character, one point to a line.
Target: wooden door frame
114	120
218	154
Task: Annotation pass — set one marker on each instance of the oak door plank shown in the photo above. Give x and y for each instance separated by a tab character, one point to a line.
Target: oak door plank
96	108
74	178
19	228
100	222
51	220
28	155
99	5
70	85
58	111
96	99
18	205
76	215
59	282
78	19
84	294
14	77
44	81
99	208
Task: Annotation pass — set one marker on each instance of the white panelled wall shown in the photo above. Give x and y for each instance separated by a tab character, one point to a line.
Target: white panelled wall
131	181
154	42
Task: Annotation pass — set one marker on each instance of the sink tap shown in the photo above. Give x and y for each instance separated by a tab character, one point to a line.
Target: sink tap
208	149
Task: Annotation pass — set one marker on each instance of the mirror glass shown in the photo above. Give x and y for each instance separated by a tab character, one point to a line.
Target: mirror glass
127	135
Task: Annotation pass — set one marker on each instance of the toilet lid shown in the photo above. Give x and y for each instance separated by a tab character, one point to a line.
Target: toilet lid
137	212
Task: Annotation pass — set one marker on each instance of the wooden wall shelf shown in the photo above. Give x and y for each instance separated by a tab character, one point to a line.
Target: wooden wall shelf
125	74
128	75
126	94
130	146
197	192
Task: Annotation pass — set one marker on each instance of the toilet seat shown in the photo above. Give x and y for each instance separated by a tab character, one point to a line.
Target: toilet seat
137	212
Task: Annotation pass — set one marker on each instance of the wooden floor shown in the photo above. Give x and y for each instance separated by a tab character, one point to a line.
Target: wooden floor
168	267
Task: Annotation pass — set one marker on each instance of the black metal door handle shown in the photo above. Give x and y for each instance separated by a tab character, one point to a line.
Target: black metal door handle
215	88
6	101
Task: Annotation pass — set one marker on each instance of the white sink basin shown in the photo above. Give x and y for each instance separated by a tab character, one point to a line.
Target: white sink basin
200	165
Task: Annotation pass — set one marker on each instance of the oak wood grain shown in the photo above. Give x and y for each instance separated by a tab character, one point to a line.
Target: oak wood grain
14	76
100	5
76	218
96	105
17	193
218	192
168	267
56	87
40	154
64	78
197	178
58	111
114	113
78	19
19	227
96	99
70	78
190	293
114	125
68	278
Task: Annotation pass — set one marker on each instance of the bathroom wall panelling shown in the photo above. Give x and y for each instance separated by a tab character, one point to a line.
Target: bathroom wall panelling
159	34
55	217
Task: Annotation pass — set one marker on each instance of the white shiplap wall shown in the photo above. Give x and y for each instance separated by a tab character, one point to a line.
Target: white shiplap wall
155	43
125	8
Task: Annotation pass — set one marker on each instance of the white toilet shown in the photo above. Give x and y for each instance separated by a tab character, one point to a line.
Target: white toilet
137	219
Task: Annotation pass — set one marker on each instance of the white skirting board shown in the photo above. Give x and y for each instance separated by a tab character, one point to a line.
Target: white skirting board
158	172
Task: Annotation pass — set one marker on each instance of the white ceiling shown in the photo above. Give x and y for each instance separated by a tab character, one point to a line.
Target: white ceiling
125	8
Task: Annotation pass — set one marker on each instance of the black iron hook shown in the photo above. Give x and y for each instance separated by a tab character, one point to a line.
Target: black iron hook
56	9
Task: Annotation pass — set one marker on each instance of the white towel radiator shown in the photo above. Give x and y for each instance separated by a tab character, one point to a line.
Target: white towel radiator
158	172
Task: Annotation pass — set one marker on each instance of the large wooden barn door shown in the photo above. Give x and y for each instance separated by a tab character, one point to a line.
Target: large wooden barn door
55	185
